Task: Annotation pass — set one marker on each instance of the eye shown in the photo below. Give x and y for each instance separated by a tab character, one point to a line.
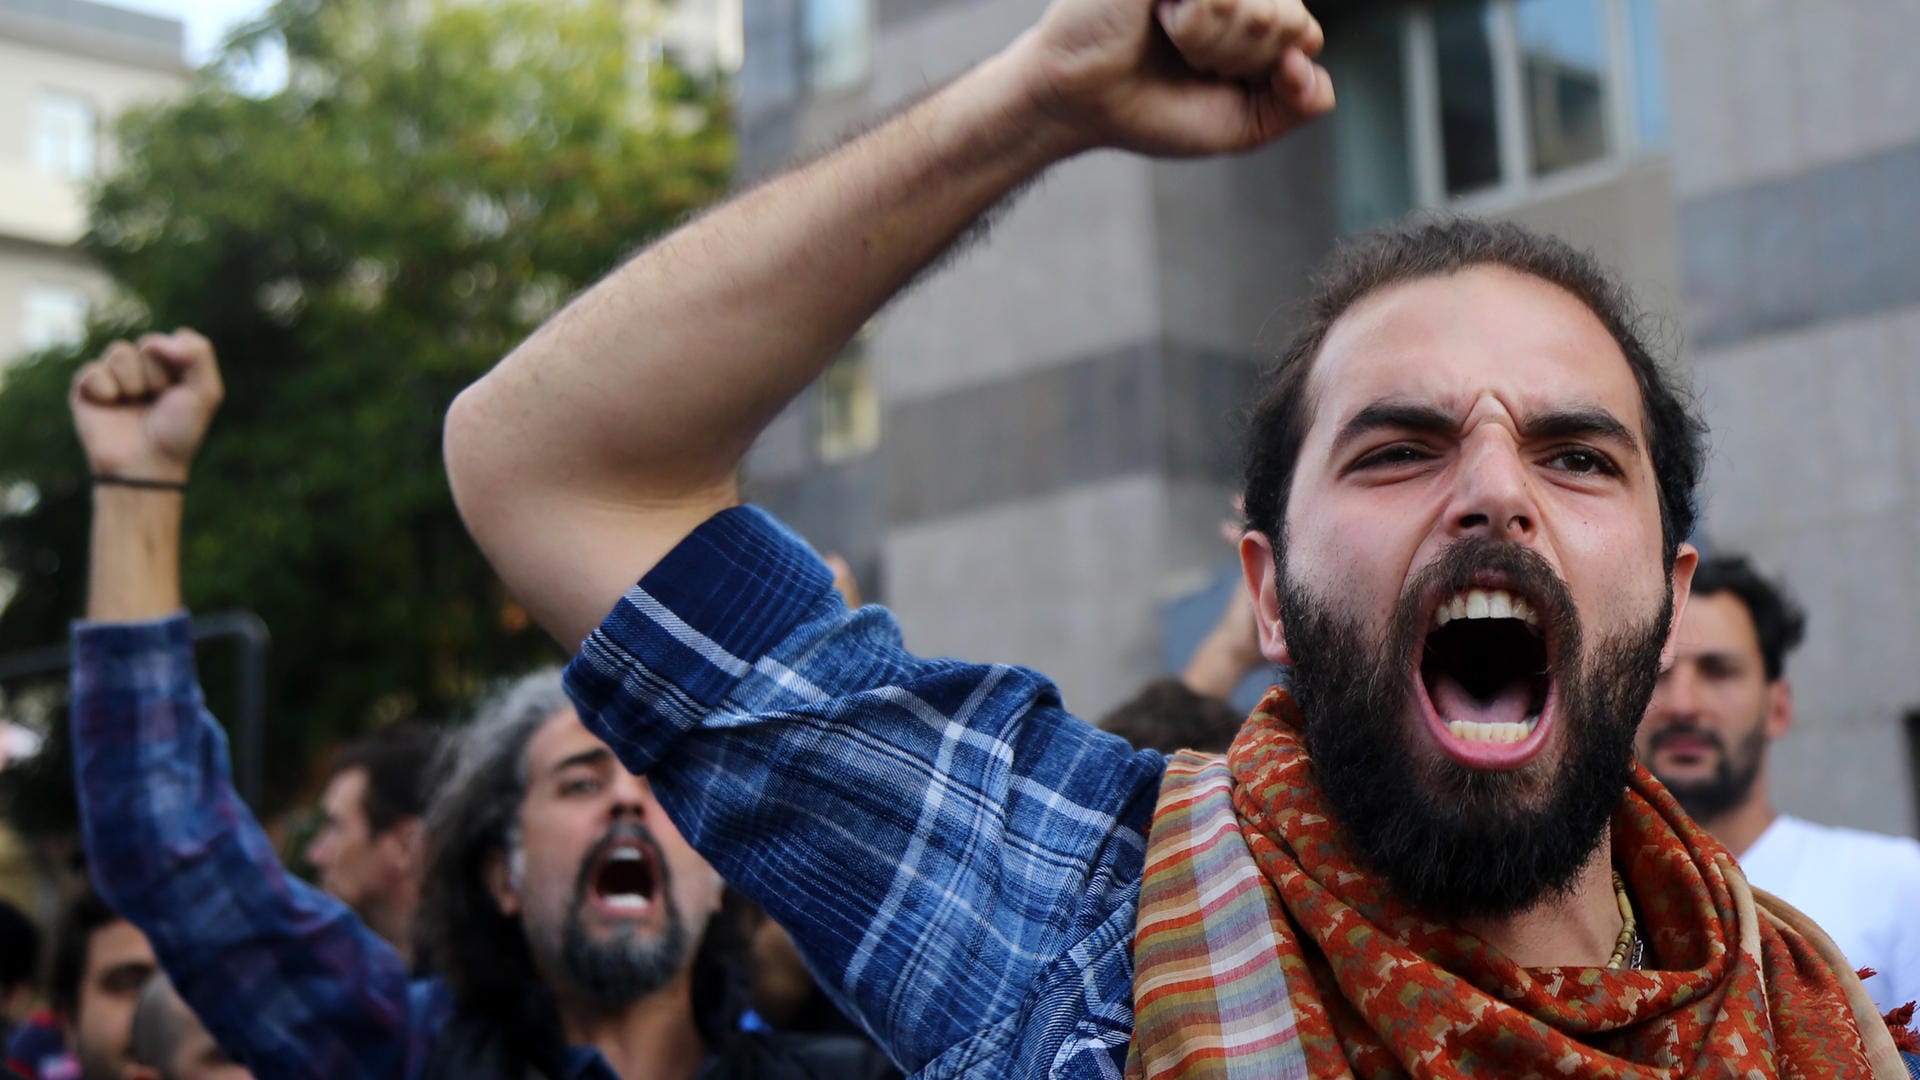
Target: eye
1583	462
1393	454
580	785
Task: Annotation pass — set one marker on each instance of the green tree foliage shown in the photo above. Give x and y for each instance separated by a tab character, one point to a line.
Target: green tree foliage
359	246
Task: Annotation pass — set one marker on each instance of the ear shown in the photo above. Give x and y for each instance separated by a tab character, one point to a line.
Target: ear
403	844
1684	562
500	883
1779	708
1263	584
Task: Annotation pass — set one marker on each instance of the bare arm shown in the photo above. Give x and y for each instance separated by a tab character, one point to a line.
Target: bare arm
617	428
141	411
167	838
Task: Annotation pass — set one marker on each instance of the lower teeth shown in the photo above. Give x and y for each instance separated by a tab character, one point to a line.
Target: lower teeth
1498	731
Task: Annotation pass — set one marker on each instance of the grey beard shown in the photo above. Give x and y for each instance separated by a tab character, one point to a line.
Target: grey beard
616	973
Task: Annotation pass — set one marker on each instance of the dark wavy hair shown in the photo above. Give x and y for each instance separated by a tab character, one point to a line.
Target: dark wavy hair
1779	623
85	915
399	763
1436	247
504	1008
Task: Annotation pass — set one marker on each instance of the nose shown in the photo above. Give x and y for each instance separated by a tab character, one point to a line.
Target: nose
631	795
320	851
1493	495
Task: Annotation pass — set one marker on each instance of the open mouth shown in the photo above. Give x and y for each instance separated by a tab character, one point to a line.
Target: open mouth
1486	679
624	879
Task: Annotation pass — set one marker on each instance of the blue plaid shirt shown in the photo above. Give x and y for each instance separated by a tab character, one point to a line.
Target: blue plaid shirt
957	856
287	979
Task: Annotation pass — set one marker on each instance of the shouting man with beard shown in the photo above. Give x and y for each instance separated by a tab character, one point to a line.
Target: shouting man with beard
1708	737
1467	489
580	936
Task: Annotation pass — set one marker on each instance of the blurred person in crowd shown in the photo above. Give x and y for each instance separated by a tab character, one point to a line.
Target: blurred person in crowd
168	1042
1193	711
1468	490
1709	736
562	907
100	962
19	963
370	841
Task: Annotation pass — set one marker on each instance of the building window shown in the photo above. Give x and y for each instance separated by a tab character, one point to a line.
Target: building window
846	407
1563	81
65	135
836	33
1496	97
1373	157
55	315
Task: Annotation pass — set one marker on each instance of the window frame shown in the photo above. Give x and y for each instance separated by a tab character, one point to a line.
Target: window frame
817	77
59	161
38	301
848	419
1517	184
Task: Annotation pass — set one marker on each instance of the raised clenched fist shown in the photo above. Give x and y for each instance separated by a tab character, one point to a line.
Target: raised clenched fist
142	408
1178	77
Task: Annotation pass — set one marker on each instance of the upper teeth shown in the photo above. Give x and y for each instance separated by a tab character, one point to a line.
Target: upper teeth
625	854
1485	604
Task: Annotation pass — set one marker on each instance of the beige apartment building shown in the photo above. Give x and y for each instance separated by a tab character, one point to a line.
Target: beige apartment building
67	69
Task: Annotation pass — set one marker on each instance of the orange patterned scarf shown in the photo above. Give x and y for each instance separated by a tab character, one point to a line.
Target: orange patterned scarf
1263	950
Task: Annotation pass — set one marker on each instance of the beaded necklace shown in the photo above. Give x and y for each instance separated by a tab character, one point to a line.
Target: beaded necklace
1630	950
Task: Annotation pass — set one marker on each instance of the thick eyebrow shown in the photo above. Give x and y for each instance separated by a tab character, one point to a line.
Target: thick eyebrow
1581	421
1584	421
594	756
1397	415
1719	656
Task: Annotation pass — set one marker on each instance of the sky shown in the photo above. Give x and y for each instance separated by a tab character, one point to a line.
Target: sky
207	21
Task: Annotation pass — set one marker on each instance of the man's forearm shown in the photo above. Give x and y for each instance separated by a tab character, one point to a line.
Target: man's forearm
135	568
606	438
587	453
656	381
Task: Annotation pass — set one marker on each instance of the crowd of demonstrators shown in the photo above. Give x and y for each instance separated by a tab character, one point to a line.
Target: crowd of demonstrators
368	848
1467	495
1708	737
572	931
1468	491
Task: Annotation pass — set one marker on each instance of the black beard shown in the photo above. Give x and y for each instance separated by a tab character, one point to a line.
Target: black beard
1453	841
1731	782
621	970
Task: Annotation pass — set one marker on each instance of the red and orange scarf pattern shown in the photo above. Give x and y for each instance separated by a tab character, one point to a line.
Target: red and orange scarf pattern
1249	883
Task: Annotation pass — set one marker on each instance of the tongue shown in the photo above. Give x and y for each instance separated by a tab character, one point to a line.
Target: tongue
1507	706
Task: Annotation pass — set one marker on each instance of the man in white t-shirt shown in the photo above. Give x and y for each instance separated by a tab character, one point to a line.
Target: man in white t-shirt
1713	715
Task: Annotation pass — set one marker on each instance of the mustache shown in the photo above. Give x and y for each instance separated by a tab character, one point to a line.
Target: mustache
1660	739
1457	569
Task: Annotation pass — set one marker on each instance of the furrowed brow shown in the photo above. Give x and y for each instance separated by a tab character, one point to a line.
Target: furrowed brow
1584	422
595	756
1408	416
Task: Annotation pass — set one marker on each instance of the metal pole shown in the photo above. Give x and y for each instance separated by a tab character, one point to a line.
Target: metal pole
249	632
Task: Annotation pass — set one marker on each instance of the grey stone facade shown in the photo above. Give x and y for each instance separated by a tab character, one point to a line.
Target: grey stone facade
1059	407
1795	177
